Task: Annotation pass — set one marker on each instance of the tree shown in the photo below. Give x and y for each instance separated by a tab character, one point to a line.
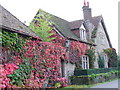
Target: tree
42	26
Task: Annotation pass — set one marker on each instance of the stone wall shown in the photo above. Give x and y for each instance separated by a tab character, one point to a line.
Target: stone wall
69	70
102	43
101	39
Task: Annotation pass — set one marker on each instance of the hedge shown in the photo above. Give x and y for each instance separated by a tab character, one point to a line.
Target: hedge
79	72
94	78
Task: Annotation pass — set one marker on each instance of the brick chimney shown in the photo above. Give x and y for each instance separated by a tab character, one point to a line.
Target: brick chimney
86	11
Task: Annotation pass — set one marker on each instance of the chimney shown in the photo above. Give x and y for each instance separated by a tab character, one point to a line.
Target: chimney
86	11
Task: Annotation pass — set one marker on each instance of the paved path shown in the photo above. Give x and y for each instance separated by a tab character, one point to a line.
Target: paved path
112	84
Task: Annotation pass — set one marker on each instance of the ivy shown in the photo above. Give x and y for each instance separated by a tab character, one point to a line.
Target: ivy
93	36
42	26
91	54
5	70
12	41
118	61
20	75
112	55
77	49
101	61
0	37
94	33
40	61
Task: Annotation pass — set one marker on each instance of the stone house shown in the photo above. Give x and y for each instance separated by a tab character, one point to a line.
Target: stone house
93	30
90	31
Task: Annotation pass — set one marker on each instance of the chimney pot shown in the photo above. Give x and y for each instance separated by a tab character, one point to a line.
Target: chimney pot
88	4
84	3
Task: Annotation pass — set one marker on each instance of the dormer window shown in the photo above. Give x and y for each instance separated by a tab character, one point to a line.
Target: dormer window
83	34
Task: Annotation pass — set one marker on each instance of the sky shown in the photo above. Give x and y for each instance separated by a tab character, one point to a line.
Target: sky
69	10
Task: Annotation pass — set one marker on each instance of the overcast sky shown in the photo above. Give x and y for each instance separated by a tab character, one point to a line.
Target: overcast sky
69	10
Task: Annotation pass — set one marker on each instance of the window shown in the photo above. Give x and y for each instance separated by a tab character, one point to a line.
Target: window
85	62
83	34
102	38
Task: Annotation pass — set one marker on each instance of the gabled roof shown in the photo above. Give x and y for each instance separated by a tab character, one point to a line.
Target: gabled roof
62	25
94	20
65	27
10	22
75	24
102	21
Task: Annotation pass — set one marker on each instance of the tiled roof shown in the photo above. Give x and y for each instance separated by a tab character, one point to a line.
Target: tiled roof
10	22
64	27
75	24
76	32
95	20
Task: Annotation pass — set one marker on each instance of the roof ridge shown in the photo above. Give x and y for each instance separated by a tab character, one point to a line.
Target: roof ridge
14	17
97	16
53	15
83	19
76	20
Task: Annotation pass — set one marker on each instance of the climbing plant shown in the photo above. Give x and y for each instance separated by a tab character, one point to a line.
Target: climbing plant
94	33
93	36
118	61
101	61
77	49
12	44
112	55
91	54
42	26
12	41
36	61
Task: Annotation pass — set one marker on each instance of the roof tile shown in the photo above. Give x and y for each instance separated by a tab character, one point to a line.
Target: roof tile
10	22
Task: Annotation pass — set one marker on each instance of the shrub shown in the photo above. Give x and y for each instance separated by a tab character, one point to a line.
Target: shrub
94	78
79	72
112	55
91	54
101	61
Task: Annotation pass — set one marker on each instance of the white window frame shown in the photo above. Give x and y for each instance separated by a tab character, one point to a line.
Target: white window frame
83	34
85	62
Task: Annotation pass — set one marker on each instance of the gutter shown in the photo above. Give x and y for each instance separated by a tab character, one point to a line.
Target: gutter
17	31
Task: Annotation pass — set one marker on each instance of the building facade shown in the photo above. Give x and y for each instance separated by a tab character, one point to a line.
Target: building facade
90	31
